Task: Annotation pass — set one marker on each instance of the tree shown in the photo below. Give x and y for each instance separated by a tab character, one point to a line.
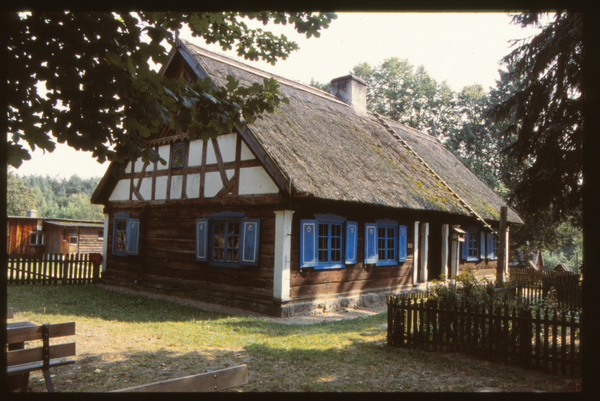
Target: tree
101	93
396	90
548	117
19	198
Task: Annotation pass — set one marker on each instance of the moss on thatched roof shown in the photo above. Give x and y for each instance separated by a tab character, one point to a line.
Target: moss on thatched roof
330	152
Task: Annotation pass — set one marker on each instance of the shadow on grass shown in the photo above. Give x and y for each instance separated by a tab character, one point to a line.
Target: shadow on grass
95	302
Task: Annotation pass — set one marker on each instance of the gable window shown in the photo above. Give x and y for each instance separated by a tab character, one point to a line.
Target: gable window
385	243
472	246
125	235
227	239
327	242
178	153
492	246
36	238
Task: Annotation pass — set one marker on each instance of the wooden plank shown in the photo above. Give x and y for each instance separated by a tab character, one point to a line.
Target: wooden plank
207	382
29	355
219	158
15	334
28	367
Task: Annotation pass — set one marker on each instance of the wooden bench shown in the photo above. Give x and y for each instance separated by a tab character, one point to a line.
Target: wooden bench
20	361
214	380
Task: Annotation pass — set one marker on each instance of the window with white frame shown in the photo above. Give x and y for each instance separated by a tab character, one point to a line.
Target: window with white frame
327	242
36	238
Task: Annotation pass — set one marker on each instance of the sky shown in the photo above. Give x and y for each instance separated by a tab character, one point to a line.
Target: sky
459	48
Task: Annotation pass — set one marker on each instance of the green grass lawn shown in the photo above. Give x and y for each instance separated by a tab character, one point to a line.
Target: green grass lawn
125	340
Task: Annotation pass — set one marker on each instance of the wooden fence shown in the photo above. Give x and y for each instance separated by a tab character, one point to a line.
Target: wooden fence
518	274
52	269
543	339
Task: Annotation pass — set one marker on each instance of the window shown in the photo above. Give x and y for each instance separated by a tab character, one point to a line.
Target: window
385	243
178	153
227	239
474	245
36	238
492	246
125	235
327	242
100	235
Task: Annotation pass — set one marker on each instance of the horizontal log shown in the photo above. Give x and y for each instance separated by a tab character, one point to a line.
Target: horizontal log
206	287
241	200
348	274
206	382
21	334
354	286
29	355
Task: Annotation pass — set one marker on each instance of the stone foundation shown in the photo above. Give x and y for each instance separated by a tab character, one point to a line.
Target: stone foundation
306	307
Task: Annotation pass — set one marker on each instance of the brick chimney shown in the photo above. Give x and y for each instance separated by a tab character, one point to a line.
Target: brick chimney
352	90
32	213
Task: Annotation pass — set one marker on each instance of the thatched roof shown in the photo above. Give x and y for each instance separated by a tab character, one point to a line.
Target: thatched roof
327	151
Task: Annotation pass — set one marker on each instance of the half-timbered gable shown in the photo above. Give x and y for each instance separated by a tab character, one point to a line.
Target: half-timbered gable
320	204
215	168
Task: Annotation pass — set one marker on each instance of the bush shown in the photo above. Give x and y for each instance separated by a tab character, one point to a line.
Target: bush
470	291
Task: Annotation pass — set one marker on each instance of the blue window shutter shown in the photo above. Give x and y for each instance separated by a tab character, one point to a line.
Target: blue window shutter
249	242
370	243
402	243
132	236
308	243
490	250
465	246
202	240
351	242
482	244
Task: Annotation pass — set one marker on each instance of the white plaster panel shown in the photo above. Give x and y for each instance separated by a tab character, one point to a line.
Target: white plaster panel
176	182
121	191
138	165
195	156
163	151
210	153
246	153
146	188
255	180
128	168
193	185
213	183
161	188
227	147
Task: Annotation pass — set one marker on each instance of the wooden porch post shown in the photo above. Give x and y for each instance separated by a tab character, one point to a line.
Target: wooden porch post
445	249
424	251
501	247
416	254
283	247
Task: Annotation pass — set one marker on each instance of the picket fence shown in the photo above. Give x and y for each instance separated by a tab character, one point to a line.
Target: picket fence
52	269
532	338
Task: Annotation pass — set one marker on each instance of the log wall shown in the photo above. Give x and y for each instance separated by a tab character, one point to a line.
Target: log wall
166	261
